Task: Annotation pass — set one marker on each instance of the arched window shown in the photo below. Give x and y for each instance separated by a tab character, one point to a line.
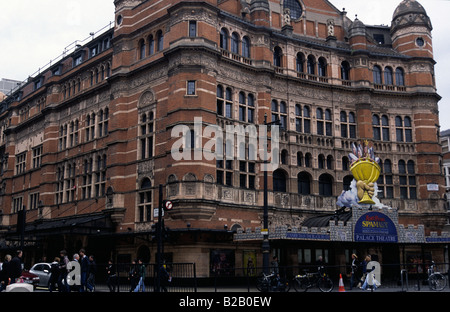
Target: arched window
388	80
279	181
345	163
325	185
308	162
345	70
235	43
330	162
284	157
224	39
303	183
321	161
300	62
246	47
311	65
322	67
299	159
160	38
141	49
377	74
277	57
399	77
151	45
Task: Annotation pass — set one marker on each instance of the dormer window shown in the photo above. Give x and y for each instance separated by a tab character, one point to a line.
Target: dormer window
93	51
78	58
38	82
57	70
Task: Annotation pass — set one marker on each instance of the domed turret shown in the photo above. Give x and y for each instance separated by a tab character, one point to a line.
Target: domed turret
410	11
411	29
357	35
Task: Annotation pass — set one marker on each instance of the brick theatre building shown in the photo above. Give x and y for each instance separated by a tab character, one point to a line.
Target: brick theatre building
87	142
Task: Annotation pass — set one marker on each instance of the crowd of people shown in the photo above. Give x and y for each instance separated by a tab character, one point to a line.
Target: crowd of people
11	269
66	276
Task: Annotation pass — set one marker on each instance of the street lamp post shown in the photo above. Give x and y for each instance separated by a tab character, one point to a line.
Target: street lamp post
159	239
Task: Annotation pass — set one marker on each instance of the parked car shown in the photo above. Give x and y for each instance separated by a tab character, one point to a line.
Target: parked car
43	271
30	278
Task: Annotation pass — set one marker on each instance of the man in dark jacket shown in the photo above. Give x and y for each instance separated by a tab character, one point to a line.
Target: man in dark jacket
84	267
16	266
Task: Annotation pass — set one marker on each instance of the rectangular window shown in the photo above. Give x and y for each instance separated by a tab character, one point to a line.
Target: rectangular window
34	201
21	163
191	87
17	204
192	29
146	135
37	156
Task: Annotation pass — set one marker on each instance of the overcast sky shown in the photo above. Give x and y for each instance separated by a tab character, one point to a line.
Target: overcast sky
32	33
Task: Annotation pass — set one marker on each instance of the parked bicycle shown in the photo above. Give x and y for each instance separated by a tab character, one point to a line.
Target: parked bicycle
436	280
272	282
309	280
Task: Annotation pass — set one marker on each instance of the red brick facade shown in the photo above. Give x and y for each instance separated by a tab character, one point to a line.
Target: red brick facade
96	137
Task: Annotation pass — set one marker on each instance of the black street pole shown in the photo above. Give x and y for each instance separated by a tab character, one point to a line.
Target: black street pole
21	221
265	244
159	238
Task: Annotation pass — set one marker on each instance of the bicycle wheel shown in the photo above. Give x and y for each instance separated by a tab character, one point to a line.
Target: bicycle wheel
437	281
262	284
300	284
284	285
325	284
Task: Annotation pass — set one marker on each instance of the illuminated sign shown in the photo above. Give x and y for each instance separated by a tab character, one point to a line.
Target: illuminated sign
375	227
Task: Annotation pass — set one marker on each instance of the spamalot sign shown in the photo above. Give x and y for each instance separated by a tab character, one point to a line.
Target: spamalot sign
375	227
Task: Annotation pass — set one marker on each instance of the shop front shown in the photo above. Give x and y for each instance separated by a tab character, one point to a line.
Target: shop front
360	230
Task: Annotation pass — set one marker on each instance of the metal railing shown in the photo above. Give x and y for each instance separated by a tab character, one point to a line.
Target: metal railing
183	278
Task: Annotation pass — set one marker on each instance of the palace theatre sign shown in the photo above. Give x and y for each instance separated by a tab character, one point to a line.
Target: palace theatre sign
375	227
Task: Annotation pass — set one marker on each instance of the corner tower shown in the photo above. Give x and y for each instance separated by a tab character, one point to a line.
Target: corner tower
411	30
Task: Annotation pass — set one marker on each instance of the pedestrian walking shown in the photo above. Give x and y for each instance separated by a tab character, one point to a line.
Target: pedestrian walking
133	276
15	266
5	275
165	277
76	278
141	275
55	271
63	285
84	268
354	272
92	270
367	275
111	273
